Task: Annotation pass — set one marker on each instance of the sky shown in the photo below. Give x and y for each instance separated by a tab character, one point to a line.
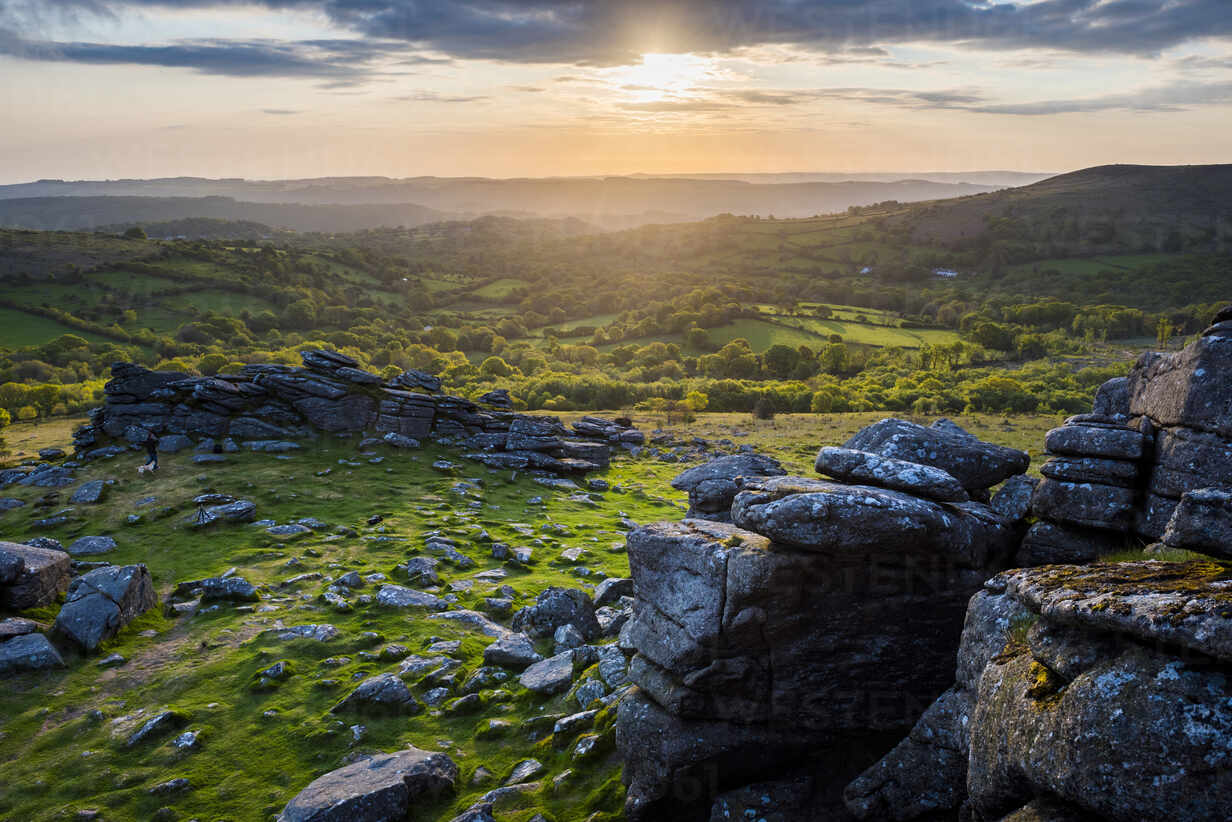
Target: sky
270	89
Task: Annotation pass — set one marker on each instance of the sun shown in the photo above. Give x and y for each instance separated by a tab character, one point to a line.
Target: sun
662	76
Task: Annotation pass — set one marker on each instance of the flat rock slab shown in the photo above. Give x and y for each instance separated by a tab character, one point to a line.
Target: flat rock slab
865	468
87	546
1091	469
397	596
212	589
30	652
830	517
1096	441
974	463
1186	604
1085	504
17	626
553	675
288	532
383	788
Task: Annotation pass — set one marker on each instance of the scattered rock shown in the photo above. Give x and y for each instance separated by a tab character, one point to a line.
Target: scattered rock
382	788
28	652
89	493
550	676
85	546
382	693
102	602
513	650
555	607
396	596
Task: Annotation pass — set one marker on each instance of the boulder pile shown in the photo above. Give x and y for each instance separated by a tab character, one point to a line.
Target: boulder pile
1098	688
819	621
274	405
1097	691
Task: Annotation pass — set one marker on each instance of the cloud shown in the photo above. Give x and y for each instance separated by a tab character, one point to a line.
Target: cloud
676	106
335	62
611	32
281	111
1171	97
433	97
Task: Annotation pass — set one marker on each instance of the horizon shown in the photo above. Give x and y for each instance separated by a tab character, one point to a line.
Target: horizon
900	175
303	89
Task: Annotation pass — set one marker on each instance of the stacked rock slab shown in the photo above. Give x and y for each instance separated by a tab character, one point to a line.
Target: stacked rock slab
1099	689
713	485
331	393
1187	397
822	619
1086	501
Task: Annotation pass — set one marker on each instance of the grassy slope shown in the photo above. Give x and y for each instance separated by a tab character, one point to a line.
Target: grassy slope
259	748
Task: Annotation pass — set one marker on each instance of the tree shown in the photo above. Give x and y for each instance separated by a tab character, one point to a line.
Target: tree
44	398
697	400
495	367
211	364
135	233
781	360
833	359
1163	332
993	335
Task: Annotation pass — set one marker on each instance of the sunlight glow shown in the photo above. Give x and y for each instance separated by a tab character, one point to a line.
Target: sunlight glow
662	76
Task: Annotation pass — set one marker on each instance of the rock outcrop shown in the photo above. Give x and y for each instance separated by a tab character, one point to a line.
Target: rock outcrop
330	393
1101	688
1097	692
813	628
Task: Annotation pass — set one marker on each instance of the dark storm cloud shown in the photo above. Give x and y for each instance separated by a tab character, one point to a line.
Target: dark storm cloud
336	62
605	32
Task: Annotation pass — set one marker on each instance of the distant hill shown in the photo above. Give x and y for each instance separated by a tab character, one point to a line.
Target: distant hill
198	228
1127	207
611	202
76	213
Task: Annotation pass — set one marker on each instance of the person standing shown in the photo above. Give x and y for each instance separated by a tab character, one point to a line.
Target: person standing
151	448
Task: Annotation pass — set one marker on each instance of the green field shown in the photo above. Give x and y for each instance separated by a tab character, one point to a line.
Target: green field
17	328
498	289
813	332
1092	266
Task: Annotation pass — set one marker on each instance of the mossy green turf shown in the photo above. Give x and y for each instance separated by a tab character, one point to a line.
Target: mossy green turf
62	734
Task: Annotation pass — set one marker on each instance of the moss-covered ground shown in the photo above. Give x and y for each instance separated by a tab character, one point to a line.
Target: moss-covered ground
63	735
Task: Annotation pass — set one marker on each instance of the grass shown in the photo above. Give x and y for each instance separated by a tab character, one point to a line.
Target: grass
62	733
24	439
17	329
1092	266
252	762
498	289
